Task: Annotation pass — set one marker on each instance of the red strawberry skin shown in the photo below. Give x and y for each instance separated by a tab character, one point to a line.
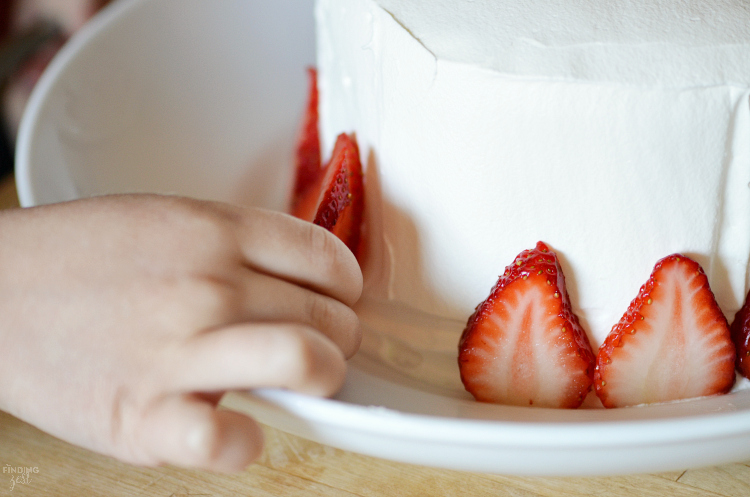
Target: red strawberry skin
337	201
672	343
331	196
307	157
524	345
347	195
741	337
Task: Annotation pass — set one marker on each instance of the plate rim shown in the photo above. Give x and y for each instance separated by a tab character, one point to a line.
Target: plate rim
380	420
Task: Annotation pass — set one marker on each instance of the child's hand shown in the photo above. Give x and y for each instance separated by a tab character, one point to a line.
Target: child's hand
123	319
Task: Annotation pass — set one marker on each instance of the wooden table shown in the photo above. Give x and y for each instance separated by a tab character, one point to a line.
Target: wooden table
294	466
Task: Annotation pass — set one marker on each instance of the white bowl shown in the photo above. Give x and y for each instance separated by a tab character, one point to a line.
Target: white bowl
202	98
180	96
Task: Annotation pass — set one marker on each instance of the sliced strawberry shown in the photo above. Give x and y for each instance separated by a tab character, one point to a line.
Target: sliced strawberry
524	345
337	204
672	343
308	161
741	337
347	197
330	196
306	206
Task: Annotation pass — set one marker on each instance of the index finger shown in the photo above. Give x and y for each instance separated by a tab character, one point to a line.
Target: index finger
300	252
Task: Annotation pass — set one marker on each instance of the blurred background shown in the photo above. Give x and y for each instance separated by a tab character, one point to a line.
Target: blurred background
31	32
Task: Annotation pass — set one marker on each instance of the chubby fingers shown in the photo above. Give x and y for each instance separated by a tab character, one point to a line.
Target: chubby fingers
257	355
269	299
300	252
187	431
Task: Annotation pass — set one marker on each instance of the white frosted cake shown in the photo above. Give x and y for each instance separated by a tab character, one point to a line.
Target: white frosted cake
616	132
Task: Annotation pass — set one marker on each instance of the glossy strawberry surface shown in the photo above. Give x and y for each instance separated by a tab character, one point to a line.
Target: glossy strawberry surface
524	345
741	337
331	196
672	343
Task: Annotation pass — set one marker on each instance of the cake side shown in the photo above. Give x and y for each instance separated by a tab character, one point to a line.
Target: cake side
467	166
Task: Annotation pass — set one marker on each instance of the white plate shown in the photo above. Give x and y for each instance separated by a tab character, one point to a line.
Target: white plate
202	98
383	414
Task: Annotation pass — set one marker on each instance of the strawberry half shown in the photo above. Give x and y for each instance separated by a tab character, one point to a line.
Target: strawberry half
672	343
330	196
741	337
524	345
337	204
308	161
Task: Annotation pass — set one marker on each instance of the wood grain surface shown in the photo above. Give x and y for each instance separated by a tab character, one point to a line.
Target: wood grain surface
292	466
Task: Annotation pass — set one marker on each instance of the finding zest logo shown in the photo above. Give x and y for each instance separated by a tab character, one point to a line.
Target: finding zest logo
19	475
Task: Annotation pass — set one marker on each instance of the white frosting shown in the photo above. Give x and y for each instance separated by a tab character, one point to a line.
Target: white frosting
617	135
643	42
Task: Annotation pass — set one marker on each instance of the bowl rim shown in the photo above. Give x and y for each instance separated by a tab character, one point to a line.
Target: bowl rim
29	126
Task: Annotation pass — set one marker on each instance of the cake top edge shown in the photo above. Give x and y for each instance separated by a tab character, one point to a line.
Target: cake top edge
662	42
